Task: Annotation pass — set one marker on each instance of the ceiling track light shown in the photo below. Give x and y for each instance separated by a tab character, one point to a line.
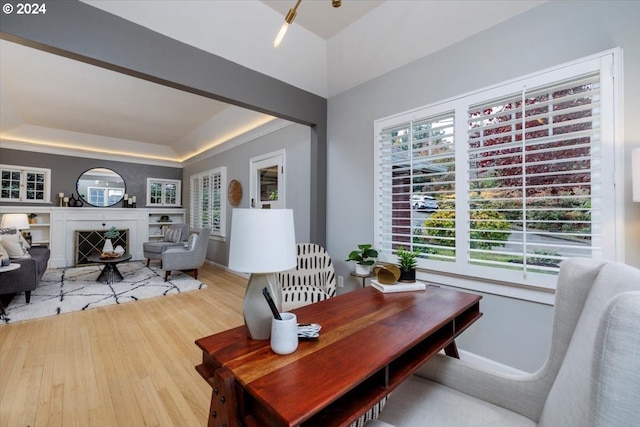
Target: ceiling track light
291	15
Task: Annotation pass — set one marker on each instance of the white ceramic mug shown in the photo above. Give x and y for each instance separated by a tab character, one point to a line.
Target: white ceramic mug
284	334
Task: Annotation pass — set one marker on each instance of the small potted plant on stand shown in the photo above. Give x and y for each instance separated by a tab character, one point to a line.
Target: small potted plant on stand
407	263
32	218
364	257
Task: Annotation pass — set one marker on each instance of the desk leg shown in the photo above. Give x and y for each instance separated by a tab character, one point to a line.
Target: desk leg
452	350
224	406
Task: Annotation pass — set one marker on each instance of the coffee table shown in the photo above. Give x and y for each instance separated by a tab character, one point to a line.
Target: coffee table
109	273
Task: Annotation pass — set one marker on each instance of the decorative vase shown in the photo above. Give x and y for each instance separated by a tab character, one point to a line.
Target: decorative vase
108	246
407	276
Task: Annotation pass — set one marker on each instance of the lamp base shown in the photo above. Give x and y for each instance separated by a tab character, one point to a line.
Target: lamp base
255	309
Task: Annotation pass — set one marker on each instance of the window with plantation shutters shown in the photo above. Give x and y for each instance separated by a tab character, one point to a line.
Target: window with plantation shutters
505	183
208	200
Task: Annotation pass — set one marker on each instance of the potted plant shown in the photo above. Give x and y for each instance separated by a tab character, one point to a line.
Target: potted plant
364	257
32	218
111	233
407	263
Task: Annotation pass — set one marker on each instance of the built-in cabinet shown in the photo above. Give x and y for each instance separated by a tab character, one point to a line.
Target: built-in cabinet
161	219
56	227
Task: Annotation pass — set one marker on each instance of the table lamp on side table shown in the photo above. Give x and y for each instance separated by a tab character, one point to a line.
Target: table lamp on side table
263	243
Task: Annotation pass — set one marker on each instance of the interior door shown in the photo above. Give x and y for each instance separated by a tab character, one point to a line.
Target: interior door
267	181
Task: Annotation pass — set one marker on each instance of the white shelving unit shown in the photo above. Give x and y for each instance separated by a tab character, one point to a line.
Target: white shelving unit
40	230
160	219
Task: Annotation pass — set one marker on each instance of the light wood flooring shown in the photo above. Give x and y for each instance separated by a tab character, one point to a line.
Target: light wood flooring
123	365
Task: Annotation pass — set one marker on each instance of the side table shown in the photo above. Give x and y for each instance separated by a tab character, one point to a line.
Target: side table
364	277
4	269
110	273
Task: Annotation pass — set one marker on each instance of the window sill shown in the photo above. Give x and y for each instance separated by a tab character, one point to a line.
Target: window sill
509	290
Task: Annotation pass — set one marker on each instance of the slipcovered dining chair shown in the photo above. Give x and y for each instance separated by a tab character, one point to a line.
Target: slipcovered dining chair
187	257
591	378
175	235
312	280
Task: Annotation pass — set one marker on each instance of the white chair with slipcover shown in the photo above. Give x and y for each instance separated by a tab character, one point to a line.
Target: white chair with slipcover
591	377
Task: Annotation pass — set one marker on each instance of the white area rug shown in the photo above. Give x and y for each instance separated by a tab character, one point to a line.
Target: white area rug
65	290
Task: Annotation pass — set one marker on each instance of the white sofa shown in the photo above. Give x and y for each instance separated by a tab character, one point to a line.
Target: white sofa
591	378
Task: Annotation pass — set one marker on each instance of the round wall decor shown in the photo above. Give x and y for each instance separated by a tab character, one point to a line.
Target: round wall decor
234	193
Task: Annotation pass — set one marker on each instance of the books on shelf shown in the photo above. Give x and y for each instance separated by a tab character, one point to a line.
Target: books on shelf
398	287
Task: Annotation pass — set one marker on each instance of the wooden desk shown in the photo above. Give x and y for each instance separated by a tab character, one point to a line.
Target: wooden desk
370	342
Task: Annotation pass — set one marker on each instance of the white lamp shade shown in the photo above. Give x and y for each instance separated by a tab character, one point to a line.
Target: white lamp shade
635	174
262	240
17	221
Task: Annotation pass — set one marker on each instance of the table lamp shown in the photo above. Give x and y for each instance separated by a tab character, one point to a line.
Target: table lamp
262	243
17	221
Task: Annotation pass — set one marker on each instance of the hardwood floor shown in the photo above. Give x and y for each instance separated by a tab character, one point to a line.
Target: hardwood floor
122	365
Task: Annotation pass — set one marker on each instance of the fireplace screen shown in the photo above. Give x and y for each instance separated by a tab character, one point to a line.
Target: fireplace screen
91	241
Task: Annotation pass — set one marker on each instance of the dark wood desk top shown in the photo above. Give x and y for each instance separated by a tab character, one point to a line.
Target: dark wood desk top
365	339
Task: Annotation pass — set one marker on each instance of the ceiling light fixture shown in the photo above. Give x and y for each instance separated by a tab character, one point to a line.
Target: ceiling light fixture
291	15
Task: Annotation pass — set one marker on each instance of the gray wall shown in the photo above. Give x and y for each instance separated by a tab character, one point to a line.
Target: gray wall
65	171
295	140
512	332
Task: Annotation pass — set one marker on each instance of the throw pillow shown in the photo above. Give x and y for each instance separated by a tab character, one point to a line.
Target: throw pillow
191	243
13	245
173	235
13	230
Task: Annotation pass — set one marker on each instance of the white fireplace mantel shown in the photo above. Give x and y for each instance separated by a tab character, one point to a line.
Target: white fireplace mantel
64	222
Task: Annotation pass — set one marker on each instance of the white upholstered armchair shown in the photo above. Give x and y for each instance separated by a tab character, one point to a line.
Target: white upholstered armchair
313	279
591	378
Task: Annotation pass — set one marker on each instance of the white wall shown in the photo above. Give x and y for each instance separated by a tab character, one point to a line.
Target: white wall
513	332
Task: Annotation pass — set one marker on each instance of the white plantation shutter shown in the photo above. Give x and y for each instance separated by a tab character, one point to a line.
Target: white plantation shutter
540	201
416	159
522	174
208	200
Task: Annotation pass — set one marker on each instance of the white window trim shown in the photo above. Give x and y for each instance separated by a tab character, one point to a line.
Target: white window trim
165	181
23	171
215	234
611	67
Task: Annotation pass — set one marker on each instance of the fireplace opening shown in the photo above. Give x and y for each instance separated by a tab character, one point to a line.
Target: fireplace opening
91	241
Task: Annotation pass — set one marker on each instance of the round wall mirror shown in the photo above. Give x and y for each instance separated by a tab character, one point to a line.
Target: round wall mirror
101	187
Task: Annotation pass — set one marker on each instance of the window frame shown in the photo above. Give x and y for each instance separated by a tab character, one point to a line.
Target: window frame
197	204
23	171
457	273
164	182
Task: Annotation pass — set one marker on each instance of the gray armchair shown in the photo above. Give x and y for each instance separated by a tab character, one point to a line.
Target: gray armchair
155	248
189	257
591	378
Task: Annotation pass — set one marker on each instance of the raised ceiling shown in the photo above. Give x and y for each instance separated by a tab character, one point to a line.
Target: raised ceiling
49	101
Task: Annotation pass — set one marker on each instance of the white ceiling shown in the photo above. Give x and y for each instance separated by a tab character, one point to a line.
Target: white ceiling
47	100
